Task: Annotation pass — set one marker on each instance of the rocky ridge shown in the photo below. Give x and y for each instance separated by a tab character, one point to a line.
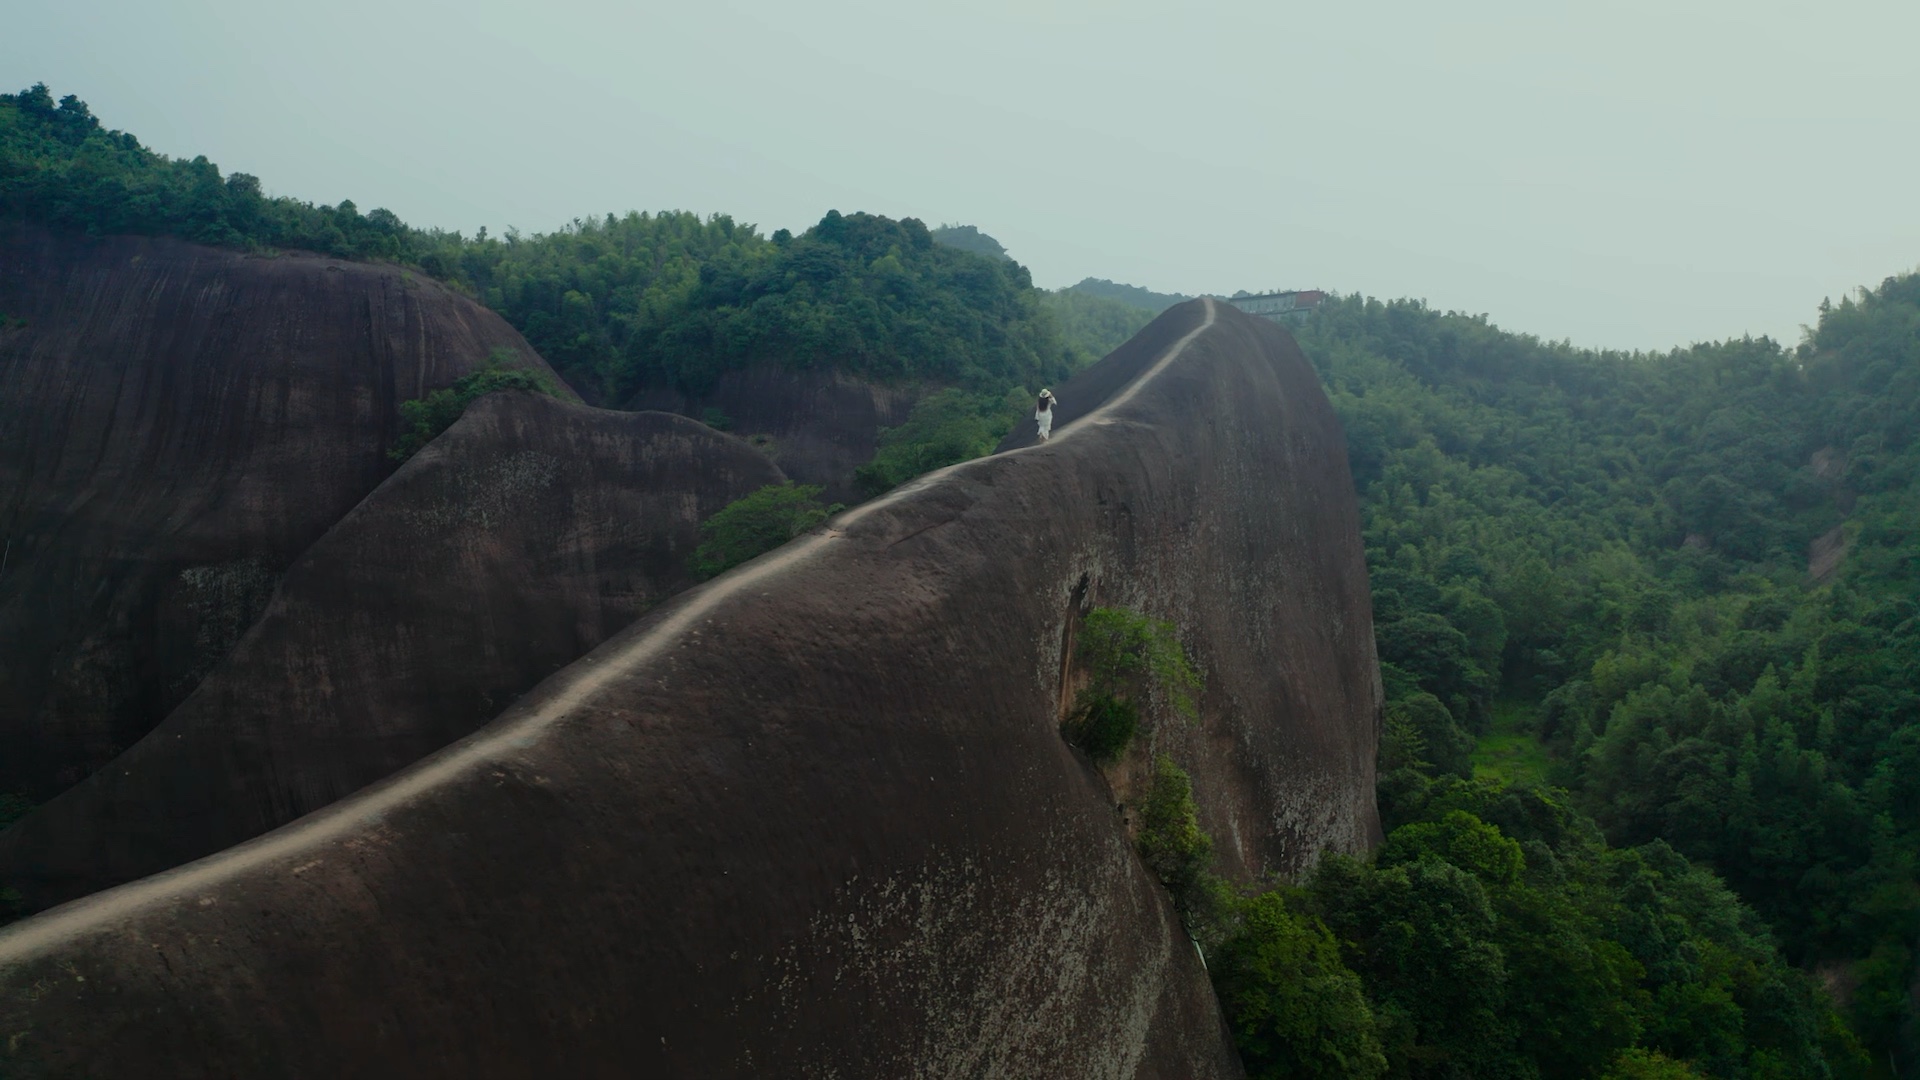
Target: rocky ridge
816	813
526	534
179	423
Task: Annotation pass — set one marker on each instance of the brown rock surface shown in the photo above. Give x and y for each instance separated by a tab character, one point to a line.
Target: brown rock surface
522	537
177	423
818	426
813	818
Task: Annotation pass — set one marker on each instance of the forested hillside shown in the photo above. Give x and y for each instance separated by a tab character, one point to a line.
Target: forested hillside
1130	295
1649	624
1684	587
612	302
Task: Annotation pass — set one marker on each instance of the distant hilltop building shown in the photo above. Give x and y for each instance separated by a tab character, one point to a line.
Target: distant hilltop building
1281	307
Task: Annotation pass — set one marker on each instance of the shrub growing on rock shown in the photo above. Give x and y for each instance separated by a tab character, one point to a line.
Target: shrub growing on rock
427	417
946	427
1180	853
757	524
1103	726
1126	654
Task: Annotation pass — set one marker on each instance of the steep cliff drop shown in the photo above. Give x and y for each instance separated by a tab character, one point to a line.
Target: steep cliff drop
814	818
177	424
522	537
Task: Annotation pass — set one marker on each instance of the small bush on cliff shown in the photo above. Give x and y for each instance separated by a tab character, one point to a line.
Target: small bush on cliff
427	417
1125	650
1126	654
757	524
1180	853
1103	726
946	427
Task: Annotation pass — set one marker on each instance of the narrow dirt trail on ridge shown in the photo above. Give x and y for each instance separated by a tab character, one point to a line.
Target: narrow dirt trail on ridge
37	934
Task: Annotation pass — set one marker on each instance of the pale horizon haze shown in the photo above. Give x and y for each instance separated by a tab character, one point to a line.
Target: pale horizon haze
1633	175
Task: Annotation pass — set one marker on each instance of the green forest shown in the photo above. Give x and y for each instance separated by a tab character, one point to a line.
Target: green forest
611	302
1675	597
1649	624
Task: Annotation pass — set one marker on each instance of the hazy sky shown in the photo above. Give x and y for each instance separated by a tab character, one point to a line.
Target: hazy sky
1626	174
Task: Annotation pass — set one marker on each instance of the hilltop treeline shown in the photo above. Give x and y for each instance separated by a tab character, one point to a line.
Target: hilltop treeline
60	166
619	302
612	302
1131	295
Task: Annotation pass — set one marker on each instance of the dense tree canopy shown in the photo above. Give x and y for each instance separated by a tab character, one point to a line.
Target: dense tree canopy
1496	933
1608	555
60	166
618	303
612	303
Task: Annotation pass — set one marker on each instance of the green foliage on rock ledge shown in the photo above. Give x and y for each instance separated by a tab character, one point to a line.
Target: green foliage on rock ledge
756	524
427	417
1127	657
1173	845
946	427
1121	648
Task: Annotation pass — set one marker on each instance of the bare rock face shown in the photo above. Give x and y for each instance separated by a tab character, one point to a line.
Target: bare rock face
177	423
818	426
525	535
814	818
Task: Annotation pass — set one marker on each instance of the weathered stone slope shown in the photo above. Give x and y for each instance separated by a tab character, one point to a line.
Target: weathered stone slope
177	423
818	426
525	535
814	818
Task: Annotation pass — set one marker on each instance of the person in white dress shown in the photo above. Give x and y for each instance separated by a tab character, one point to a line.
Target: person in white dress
1043	414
